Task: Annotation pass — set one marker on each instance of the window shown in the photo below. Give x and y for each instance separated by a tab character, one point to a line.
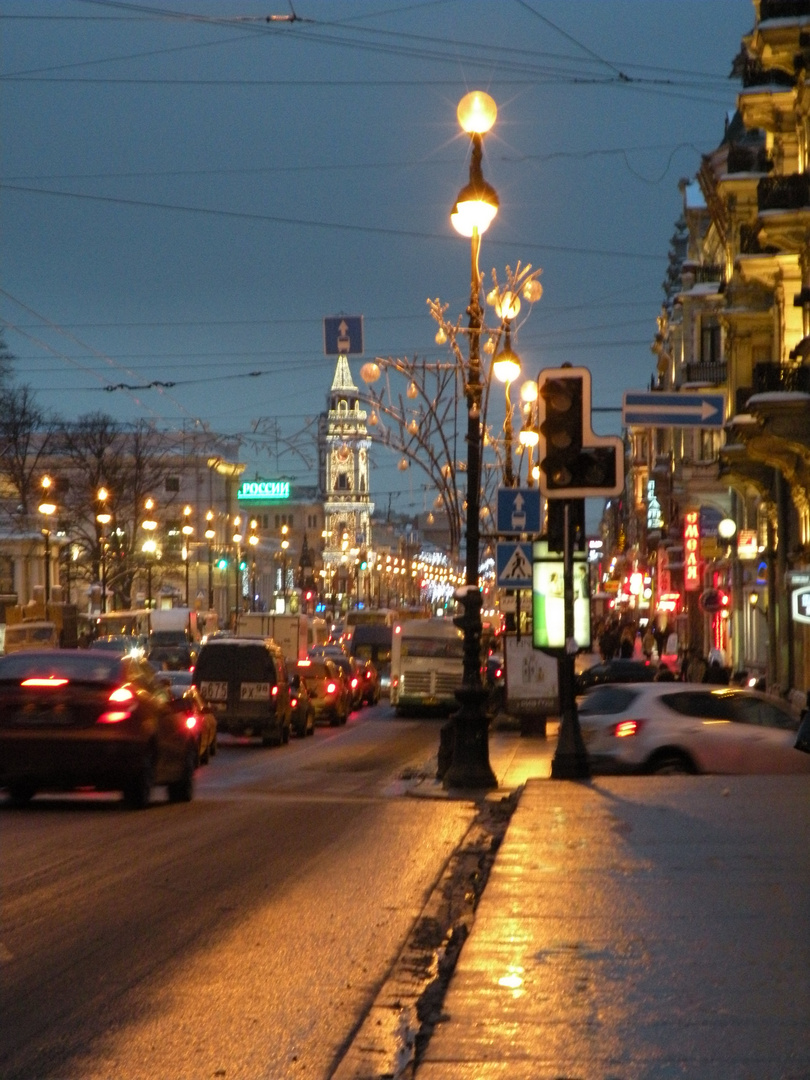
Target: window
173	483
710	341
608	700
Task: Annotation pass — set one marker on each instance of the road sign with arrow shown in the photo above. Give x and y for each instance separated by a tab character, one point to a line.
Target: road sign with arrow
685	409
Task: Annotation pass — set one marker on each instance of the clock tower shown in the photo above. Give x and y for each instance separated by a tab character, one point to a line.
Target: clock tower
347	505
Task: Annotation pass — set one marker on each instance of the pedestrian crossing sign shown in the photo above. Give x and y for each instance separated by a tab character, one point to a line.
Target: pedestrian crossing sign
514	564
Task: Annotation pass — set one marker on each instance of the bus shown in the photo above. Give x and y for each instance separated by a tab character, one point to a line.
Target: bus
372	641
427	665
134	623
370	617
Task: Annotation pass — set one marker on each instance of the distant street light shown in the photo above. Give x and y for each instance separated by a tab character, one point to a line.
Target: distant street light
47	509
149	547
210	535
188	530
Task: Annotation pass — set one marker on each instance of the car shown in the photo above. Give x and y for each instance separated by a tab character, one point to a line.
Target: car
187	702
617	670
352	676
669	727
173	657
245	682
326	686
122	644
369	683
303	711
90	718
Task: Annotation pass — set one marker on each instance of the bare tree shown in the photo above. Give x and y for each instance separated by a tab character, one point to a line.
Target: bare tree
25	440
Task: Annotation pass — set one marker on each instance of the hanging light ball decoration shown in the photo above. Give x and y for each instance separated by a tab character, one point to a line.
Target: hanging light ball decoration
441	336
370	372
373	420
413	426
412	390
489	348
532	291
403	464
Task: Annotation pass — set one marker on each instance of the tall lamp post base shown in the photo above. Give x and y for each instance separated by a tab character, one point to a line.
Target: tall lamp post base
470	767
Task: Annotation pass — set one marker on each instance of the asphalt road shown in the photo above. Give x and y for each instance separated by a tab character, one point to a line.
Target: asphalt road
242	935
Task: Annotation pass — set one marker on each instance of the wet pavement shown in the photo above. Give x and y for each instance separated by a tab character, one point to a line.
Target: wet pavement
634	927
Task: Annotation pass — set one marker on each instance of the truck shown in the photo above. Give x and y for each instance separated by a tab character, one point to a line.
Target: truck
173	626
294	634
427	665
39	625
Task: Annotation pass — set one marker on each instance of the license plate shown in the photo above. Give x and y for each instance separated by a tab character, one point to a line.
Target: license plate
43	716
254	691
214	691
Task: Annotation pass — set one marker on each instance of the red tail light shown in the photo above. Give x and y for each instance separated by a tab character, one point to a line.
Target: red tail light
50	681
191	722
294	702
124	695
354	682
626	728
331	688
274	691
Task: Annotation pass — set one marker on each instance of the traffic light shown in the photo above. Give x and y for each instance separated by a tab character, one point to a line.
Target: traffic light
222	563
574	463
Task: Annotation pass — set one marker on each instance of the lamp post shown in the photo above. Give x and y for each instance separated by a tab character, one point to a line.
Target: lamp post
149	525
188	530
475	208
727	531
506	368
210	535
103	517
253	540
47	509
285	544
237	540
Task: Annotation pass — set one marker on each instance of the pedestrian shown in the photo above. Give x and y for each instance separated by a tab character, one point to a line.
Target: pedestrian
648	644
627	643
696	667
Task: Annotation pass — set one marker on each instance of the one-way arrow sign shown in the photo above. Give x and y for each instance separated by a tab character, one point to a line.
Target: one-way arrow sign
686	409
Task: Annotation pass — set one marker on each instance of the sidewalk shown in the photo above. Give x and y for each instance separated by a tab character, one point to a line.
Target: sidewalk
636	928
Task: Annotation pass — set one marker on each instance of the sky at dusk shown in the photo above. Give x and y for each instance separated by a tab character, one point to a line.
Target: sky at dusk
189	189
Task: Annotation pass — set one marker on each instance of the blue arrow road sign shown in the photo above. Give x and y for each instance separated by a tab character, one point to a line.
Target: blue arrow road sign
686	409
514	564
343	334
518	510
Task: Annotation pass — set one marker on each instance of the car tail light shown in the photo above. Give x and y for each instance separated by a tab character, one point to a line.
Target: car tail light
50	681
625	728
331	688
274	691
123	695
368	674
354	683
191	722
294	702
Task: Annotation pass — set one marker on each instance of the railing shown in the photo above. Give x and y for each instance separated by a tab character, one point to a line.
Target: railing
710	373
769	378
784	192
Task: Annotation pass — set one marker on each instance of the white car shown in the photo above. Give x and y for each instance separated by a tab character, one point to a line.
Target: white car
670	727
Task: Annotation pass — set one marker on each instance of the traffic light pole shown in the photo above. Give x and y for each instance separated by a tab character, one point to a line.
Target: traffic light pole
570	760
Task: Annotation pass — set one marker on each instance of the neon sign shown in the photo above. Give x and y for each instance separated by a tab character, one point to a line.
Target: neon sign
264	489
691	548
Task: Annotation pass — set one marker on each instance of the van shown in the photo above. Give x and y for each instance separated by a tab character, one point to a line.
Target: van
245	683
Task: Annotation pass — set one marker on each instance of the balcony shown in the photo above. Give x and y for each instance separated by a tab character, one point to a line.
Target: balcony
770	378
715	374
784	192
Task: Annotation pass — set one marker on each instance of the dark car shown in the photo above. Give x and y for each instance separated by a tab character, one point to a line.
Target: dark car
245	682
173	657
192	711
351	674
303	711
73	719
326	685
369	683
616	671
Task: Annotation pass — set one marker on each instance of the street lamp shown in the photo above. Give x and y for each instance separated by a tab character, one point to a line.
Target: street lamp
103	517
149	547
474	210
253	540
47	509
188	530
210	535
506	368
237	540
727	531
